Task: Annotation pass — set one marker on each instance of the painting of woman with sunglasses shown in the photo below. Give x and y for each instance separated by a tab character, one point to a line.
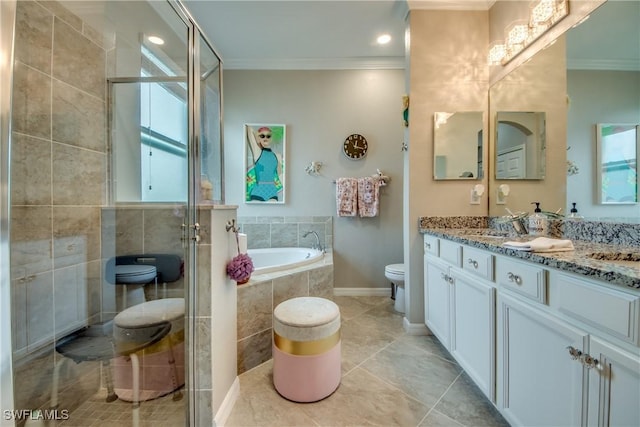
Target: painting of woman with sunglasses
265	163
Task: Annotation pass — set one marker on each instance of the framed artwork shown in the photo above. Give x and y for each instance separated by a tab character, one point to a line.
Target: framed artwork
265	160
617	147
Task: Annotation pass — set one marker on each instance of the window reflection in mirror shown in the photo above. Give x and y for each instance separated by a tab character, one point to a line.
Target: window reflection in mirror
617	152
458	144
521	142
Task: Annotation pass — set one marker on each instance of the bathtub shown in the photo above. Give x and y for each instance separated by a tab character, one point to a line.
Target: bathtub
274	259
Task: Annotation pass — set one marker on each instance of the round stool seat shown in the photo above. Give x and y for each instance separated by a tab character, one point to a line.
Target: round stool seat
394	272
151	313
135	274
306	348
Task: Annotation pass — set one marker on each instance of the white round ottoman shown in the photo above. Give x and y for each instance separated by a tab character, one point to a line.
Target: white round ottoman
306	348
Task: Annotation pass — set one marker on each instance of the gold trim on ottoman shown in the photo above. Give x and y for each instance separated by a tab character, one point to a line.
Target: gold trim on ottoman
306	348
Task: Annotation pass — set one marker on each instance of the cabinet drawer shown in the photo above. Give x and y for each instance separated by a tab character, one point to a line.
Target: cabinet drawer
431	245
478	262
451	252
606	309
523	278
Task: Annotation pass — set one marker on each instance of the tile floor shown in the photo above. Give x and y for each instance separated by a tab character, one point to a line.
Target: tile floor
96	412
389	379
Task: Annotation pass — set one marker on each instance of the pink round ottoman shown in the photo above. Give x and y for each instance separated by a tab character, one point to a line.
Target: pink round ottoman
306	348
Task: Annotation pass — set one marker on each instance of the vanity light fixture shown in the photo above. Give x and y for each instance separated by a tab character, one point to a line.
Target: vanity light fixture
156	40
383	39
497	51
543	14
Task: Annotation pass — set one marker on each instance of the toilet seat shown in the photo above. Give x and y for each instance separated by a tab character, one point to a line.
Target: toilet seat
394	272
135	274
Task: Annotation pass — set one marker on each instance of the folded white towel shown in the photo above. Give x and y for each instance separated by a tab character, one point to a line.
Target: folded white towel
541	244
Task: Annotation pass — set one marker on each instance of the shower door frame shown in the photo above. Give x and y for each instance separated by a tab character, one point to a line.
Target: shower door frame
7	34
190	226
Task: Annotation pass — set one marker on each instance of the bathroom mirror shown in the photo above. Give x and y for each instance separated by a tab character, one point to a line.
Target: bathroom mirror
617	163
520	144
458	141
601	68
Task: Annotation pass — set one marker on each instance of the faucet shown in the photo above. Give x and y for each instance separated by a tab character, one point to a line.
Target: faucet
317	245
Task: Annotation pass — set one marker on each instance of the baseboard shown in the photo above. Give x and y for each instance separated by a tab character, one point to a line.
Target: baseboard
362	292
227	404
415	328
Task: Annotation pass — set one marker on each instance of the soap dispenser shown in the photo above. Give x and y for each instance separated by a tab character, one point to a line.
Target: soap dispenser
537	221
574	213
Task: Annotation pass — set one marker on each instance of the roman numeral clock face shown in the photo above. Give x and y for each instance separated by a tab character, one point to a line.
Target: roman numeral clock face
355	147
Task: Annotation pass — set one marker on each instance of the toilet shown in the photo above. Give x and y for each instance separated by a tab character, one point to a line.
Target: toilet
395	274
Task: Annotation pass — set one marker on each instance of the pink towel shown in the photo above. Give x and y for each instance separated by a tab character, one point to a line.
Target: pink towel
347	196
368	196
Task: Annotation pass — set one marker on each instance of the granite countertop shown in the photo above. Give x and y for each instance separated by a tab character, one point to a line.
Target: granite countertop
576	261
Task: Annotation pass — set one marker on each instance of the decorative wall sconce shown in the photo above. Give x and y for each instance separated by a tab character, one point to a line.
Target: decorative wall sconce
543	14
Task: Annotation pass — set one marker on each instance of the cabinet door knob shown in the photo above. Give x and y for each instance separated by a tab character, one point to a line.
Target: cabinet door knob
574	352
427	245
473	262
590	362
514	278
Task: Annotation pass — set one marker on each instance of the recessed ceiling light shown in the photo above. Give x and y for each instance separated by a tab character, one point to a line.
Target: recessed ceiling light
383	39
155	40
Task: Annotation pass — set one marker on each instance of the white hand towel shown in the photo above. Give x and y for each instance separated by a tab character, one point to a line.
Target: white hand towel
368	196
541	244
347	196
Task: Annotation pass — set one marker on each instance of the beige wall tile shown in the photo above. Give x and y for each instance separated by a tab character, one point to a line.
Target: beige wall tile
31	105
79	226
290	286
78	118
78	61
163	230
30	171
78	176
129	231
255	309
34	35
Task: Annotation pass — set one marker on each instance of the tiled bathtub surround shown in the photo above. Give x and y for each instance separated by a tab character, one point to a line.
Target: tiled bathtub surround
258	298
286	231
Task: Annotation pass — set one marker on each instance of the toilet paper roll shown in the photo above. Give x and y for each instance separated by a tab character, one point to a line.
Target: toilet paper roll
242	242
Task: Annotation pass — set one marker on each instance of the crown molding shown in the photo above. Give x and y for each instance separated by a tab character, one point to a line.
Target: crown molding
450	4
371	63
604	64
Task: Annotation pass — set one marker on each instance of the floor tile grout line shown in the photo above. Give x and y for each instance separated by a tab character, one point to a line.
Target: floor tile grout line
440	398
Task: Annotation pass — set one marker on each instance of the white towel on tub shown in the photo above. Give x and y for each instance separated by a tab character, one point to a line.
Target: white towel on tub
347	196
368	196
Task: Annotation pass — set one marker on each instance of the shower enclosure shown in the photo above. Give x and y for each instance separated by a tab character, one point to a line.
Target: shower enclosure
110	139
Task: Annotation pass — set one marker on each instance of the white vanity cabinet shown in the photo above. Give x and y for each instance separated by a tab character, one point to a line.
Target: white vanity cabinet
538	382
567	348
459	308
549	347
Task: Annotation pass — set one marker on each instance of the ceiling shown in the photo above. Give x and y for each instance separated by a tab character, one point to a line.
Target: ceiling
311	34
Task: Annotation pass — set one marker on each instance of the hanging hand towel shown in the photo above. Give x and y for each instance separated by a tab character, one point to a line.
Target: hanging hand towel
541	244
347	196
368	196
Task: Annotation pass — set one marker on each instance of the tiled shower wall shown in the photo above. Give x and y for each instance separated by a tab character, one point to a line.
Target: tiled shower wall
286	231
58	186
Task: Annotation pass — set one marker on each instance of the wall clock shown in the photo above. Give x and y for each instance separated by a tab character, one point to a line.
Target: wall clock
355	146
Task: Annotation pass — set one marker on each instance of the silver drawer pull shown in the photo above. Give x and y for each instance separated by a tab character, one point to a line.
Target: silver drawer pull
473	262
514	278
447	278
590	362
574	353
